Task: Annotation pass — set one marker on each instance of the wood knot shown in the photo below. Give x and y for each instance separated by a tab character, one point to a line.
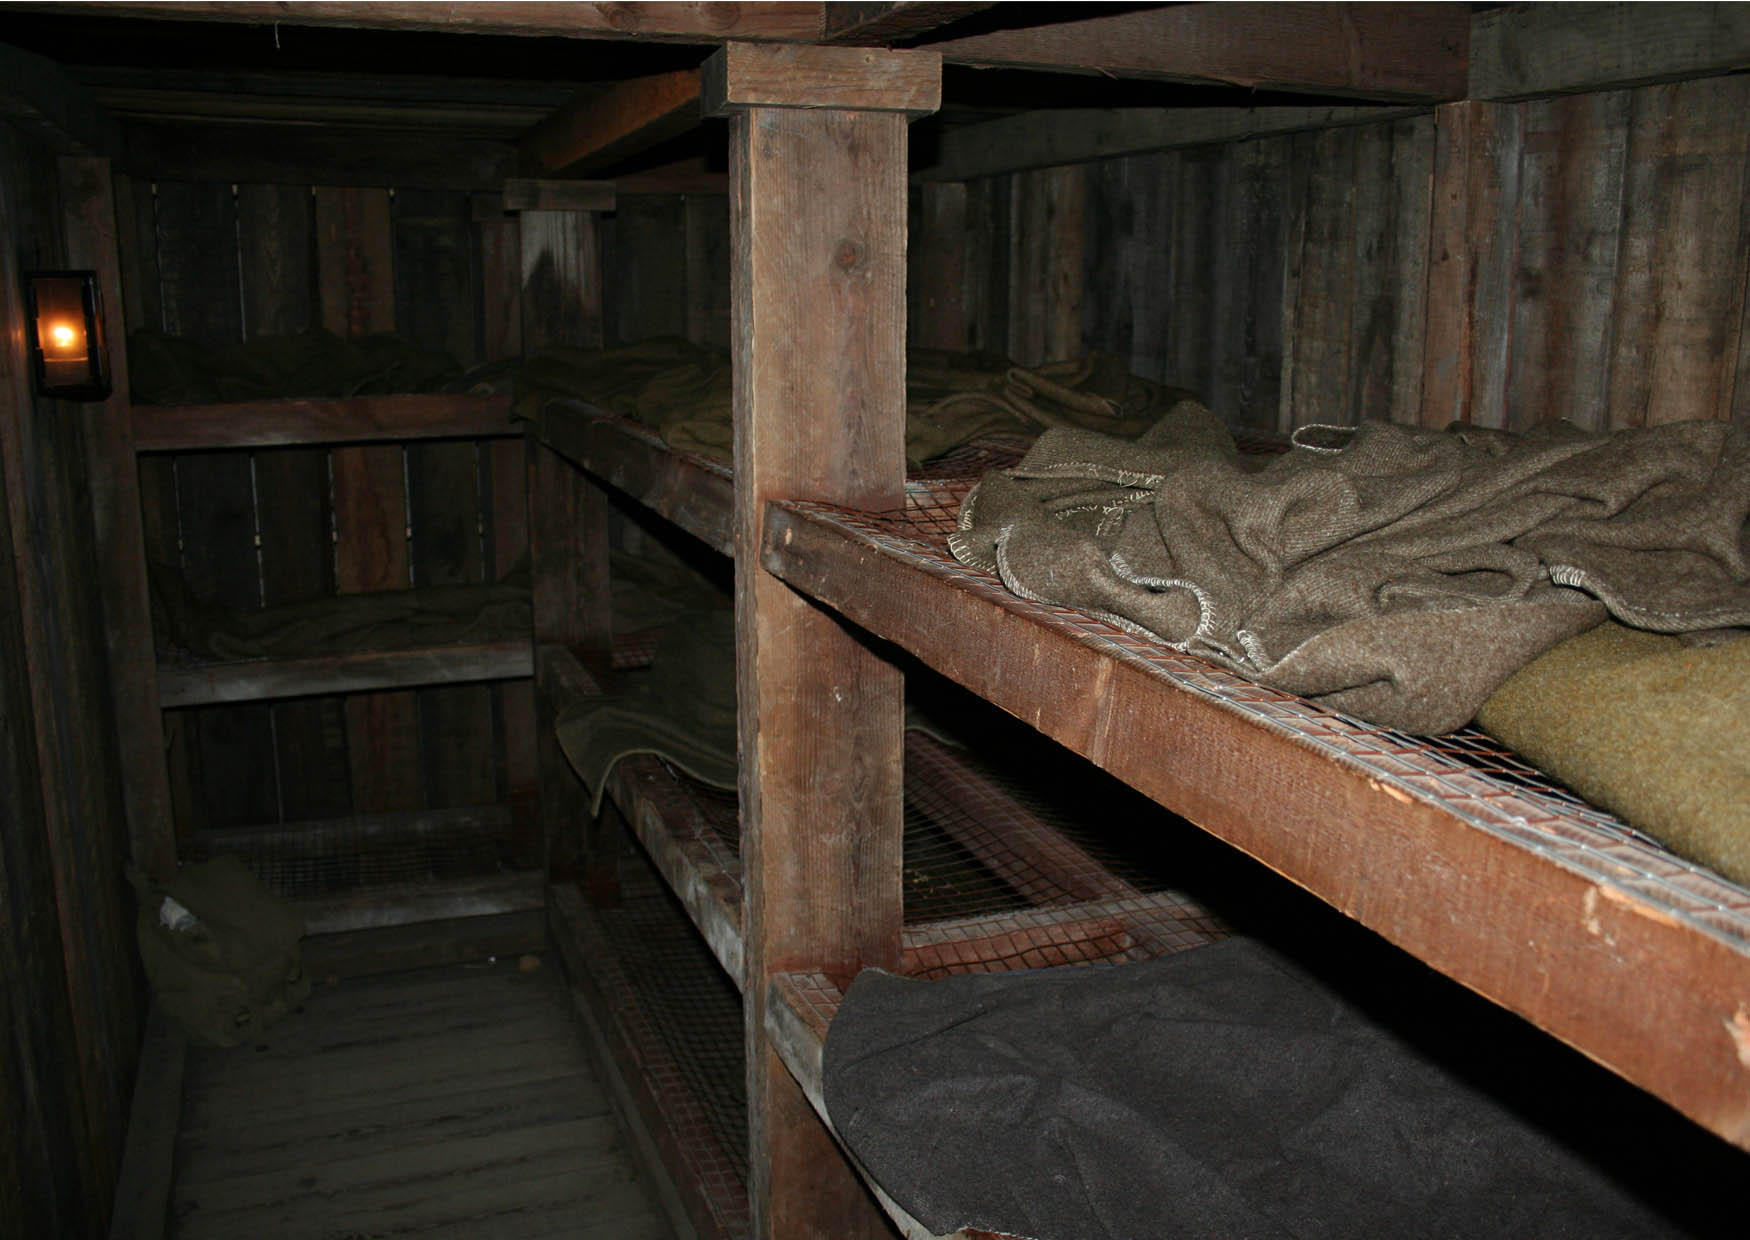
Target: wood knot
850	255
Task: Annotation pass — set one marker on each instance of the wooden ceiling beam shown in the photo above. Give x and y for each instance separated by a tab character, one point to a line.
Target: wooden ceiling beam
1520	51
1078	135
597	130
888	22
688	22
37	94
1371	51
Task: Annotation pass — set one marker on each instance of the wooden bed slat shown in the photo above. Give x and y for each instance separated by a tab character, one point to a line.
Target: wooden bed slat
1562	947
255	680
355	419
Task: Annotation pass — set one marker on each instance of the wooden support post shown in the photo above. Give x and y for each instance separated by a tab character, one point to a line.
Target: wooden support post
818	223
89	202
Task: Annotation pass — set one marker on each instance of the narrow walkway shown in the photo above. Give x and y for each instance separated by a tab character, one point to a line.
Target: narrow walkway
445	1104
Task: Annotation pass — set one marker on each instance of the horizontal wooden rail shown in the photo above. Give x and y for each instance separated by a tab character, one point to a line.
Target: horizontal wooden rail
351	419
683	489
258	680
1505	913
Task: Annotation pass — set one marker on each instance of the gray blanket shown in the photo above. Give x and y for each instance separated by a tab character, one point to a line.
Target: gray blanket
1397	574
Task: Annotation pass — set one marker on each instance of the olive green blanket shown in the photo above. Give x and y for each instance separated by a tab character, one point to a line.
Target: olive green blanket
685	393
1396	574
1650	727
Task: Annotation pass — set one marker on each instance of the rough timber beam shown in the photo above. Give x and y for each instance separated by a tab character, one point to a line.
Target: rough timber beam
1368	51
887	23
1077	135
593	132
817	159
1522	50
678	22
37	95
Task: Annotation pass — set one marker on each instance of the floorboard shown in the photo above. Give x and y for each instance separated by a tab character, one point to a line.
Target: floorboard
441	1104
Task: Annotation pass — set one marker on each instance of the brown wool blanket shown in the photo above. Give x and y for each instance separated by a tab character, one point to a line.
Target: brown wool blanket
1651	727
1396	574
685	393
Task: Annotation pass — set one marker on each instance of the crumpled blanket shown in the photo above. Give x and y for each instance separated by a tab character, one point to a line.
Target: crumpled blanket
685	393
1650	727
1225	1092
384	620
1397	574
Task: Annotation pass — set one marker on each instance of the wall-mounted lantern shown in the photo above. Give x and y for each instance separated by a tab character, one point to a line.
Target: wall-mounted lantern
67	349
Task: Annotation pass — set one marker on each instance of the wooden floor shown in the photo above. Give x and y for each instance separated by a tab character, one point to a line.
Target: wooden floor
444	1104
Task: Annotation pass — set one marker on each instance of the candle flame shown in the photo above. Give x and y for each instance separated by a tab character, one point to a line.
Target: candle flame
63	336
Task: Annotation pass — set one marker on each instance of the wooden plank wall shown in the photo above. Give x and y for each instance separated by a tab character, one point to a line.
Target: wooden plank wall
1601	266
666	268
71	997
223	263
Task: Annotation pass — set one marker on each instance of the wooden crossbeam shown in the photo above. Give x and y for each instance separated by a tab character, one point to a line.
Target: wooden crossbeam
1047	139
354	419
596	130
889	22
1522	50
676	22
37	95
1370	51
525	194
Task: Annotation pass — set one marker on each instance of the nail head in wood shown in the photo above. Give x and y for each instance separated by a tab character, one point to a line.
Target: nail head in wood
754	75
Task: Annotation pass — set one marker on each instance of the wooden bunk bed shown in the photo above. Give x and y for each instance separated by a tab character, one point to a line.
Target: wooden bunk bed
993	880
1576	912
294	857
1453	850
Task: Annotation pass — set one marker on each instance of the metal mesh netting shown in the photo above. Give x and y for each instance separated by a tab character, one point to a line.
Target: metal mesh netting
1466	773
405	850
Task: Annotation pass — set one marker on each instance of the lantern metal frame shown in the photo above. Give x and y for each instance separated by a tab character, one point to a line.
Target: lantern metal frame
95	385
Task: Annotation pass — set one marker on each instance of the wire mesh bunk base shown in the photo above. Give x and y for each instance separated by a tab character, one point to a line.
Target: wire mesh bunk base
303	860
1466	773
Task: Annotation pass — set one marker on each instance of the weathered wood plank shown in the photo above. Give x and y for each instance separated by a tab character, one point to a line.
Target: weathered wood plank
394	949
1318	301
1044	139
1045	261
142	1192
88	202
264	154
350	419
601	128
1682	254
817	209
200	274
529	194
195	684
561	280
422	901
888	22
687	21
707	241
1521	50
1476	169
645	283
1332	828
356	293
748	75
1376	51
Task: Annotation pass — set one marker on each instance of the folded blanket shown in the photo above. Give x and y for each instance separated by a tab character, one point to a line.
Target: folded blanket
1219	1092
685	393
1652	729
1393	573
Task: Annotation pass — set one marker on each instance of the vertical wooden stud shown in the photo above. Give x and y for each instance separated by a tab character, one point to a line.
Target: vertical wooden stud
818	218
89	202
